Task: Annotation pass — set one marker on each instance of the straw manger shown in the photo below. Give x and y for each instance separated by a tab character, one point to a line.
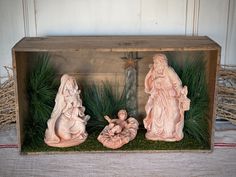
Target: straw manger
226	107
7	99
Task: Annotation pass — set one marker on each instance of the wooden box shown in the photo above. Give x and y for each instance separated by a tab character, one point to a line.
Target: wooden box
99	58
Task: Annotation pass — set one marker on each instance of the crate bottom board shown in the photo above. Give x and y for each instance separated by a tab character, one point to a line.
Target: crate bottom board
138	144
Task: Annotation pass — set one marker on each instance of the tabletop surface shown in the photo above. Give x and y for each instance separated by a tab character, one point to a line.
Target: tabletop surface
221	162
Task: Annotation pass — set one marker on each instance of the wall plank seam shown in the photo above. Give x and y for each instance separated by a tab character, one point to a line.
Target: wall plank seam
29	15
228	31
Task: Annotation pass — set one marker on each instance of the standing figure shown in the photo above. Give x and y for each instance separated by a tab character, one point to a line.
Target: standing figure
66	127
119	131
166	104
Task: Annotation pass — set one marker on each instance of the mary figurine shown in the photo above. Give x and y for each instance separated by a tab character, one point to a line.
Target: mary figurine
66	127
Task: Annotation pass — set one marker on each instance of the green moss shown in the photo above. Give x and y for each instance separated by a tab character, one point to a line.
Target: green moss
139	143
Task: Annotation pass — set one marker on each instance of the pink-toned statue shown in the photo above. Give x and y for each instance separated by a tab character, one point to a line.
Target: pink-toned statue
166	104
66	127
119	131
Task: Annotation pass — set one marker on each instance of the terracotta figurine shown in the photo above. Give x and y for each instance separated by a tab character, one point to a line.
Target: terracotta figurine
119	131
167	102
66	127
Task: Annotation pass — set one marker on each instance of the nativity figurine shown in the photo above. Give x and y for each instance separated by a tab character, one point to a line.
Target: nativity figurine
119	131
167	102
66	127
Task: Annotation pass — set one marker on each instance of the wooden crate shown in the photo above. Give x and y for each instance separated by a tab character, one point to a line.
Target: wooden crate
99	58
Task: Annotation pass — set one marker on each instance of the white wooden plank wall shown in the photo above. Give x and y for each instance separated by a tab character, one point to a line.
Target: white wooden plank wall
231	35
11	30
215	18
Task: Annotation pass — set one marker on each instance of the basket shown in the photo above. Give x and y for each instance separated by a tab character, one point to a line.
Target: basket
226	106
7	99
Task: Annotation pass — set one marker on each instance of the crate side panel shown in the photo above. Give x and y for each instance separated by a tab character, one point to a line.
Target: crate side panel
214	62
21	63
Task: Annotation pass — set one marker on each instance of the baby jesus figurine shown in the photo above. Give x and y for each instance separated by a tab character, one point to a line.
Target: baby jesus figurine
119	131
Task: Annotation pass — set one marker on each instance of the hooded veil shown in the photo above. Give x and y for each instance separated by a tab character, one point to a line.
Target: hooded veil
50	134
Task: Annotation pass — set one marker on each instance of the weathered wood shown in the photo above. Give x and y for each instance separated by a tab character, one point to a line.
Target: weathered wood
214	62
20	66
117	43
131	90
87	61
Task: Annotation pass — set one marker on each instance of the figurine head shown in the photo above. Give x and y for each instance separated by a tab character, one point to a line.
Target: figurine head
68	84
160	63
122	114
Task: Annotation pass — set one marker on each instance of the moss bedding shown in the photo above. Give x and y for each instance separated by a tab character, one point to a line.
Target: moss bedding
139	143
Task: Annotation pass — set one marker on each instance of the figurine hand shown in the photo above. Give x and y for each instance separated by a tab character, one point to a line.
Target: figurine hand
186	105
107	118
147	90
111	125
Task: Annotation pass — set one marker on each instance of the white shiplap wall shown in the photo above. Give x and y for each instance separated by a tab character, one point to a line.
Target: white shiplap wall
230	57
104	17
213	22
215	18
11	30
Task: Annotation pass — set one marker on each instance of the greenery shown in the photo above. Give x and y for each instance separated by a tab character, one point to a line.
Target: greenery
192	73
101	100
42	89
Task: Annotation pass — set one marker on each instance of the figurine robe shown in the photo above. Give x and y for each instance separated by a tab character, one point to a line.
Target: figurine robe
166	104
66	127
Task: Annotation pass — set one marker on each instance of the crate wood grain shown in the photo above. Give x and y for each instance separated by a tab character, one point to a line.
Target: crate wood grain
116	43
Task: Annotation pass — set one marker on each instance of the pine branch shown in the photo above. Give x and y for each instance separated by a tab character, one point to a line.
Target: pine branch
101	100
192	74
42	89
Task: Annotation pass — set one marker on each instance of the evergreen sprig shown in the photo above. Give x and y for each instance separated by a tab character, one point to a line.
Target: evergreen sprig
101	100
192	74
42	88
